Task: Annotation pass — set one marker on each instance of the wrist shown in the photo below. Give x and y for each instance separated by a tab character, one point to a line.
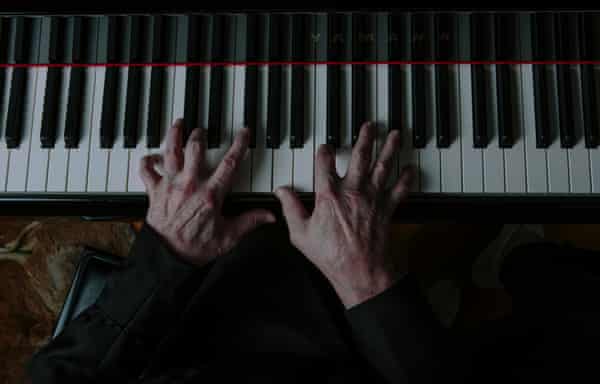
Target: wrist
353	291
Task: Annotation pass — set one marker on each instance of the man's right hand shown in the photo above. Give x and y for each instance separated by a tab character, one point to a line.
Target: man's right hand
346	237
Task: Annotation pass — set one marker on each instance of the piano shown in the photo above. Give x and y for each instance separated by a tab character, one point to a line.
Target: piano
498	109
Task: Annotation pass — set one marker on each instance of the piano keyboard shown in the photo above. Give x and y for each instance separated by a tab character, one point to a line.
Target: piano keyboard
517	128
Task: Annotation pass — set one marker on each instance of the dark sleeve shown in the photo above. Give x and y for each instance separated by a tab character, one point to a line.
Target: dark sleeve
398	334
117	335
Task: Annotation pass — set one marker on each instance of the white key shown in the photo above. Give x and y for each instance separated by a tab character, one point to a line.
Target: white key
134	181
579	156
168	115
383	123
344	152
407	153
283	157
371	110
594	154
430	155
19	157
3	115
38	158
320	122
118	164
472	158
179	92
451	157
244	175
303	157
514	158
262	157
535	158
98	169
78	157
493	155
537	169
215	155
558	166
58	164
243	182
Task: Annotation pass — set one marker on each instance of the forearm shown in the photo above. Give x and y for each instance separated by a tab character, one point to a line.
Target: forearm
398	334
115	337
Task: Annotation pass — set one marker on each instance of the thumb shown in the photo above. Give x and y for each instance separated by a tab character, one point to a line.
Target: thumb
237	227
293	210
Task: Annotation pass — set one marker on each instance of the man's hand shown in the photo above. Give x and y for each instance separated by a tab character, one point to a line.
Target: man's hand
346	236
186	198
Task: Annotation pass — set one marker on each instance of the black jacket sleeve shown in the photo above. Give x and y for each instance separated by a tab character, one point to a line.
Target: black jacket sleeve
398	334
117	335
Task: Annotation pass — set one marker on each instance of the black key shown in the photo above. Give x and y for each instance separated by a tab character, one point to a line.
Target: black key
446	49
482	49
399	50
298	52
4	41
422	50
15	107
543	41
53	83
78	32
507	48
111	42
192	97
275	97
363	49
339	49
222	34
157	34
134	78
51	105
590	51
21	32
253	46
568	49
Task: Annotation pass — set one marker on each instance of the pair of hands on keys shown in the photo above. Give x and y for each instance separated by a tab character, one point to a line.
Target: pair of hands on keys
345	237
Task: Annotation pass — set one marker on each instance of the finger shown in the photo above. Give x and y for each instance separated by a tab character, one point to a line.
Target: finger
193	164
383	166
294	212
148	173
360	161
401	188
325	174
237	227
173	149
222	179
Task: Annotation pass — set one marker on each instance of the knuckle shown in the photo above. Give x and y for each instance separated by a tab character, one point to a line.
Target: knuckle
381	168
229	164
